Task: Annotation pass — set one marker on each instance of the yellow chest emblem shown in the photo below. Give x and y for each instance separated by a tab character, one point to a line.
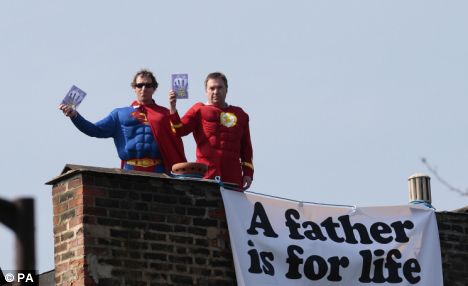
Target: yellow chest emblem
228	119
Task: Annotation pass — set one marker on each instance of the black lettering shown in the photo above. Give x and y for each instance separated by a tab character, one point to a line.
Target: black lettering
379	228
378	267
399	228
254	260
393	266
330	226
349	231
366	266
314	233
309	268
335	263
294	261
264	223
267	258
293	225
411	266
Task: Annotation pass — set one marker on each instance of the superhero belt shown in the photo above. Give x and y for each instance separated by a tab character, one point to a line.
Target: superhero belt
143	162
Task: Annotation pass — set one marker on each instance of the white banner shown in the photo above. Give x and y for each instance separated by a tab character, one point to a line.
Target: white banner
282	242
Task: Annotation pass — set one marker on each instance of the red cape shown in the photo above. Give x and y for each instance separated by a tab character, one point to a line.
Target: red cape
170	145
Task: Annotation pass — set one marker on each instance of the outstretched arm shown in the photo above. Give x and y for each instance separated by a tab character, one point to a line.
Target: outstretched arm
104	128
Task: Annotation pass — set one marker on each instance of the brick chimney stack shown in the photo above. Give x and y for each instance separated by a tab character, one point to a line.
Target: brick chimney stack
116	227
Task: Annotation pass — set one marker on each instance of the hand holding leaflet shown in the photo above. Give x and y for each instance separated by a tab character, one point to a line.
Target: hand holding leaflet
74	97
180	85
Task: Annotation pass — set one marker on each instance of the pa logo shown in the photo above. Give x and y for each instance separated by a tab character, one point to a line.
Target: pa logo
21	277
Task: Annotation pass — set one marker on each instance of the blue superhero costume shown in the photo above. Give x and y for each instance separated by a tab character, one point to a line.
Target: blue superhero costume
134	137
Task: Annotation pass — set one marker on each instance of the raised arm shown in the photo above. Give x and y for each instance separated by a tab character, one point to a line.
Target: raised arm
189	121
172	101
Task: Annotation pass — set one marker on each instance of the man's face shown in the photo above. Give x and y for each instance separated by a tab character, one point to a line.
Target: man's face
216	92
144	89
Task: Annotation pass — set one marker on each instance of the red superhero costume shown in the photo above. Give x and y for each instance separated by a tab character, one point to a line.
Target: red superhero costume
223	140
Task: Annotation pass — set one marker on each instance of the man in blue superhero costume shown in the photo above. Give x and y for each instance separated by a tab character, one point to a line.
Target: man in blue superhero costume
142	133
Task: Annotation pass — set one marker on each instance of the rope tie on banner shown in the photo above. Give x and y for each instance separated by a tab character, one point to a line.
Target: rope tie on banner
421	202
218	180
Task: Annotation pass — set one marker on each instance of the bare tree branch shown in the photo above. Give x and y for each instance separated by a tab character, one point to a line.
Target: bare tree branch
434	172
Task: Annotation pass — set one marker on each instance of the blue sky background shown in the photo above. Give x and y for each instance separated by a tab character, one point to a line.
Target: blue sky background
344	97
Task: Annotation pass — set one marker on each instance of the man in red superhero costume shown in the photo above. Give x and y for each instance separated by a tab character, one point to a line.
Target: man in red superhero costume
221	132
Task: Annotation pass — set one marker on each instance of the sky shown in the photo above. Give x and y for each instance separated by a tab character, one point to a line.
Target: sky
344	97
